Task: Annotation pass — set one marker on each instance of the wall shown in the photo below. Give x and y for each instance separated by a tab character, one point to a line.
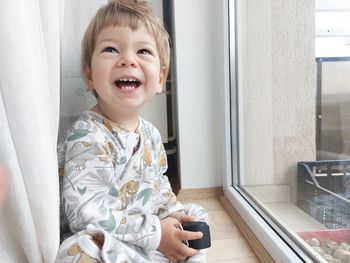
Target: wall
278	78
276	41
200	79
255	37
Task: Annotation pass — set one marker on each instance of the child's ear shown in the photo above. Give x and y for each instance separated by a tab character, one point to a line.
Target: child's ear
88	77
162	79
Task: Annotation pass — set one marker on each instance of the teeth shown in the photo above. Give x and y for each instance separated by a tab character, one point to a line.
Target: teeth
125	79
127	83
127	88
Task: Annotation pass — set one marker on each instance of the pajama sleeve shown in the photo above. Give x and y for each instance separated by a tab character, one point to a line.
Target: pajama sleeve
90	194
167	202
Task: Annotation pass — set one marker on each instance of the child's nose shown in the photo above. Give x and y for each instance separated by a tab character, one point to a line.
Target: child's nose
126	60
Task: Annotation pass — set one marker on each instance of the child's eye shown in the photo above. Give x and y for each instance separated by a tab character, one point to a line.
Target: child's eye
145	51
110	50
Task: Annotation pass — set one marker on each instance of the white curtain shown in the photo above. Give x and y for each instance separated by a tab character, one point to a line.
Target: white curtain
76	16
29	112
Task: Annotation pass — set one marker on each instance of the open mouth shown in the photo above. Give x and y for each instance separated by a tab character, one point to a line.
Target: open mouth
127	84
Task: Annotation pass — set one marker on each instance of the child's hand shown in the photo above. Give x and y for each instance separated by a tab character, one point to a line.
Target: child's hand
4	180
171	244
182	218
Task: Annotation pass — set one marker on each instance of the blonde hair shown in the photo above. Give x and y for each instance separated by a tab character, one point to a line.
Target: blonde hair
130	13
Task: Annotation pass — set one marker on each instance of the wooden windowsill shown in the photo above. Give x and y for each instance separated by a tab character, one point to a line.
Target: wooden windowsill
232	239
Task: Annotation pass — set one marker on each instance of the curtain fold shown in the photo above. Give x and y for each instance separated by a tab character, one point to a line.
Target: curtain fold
29	114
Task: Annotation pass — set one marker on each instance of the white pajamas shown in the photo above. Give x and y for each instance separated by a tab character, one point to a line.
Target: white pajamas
114	185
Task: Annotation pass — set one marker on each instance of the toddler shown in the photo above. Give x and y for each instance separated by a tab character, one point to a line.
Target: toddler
115	197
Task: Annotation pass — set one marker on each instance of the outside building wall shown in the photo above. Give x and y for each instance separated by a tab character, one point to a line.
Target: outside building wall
278	89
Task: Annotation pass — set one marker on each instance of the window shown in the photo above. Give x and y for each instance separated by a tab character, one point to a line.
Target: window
332	48
290	125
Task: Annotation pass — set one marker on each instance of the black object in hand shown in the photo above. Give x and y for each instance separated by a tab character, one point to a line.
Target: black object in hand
203	227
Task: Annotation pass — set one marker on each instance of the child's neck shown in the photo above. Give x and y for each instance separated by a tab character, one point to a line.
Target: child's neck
128	122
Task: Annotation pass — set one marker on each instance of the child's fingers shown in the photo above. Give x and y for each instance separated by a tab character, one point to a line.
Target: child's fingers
185	218
185	252
4	180
188	235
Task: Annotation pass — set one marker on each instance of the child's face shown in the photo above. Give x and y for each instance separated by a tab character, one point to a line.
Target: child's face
125	69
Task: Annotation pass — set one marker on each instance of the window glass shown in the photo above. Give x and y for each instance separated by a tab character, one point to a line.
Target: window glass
294	121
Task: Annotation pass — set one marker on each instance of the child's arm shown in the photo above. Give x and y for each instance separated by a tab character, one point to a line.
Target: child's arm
90	195
170	212
167	202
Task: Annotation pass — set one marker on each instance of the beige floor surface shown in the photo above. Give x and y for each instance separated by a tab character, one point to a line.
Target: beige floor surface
228	244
